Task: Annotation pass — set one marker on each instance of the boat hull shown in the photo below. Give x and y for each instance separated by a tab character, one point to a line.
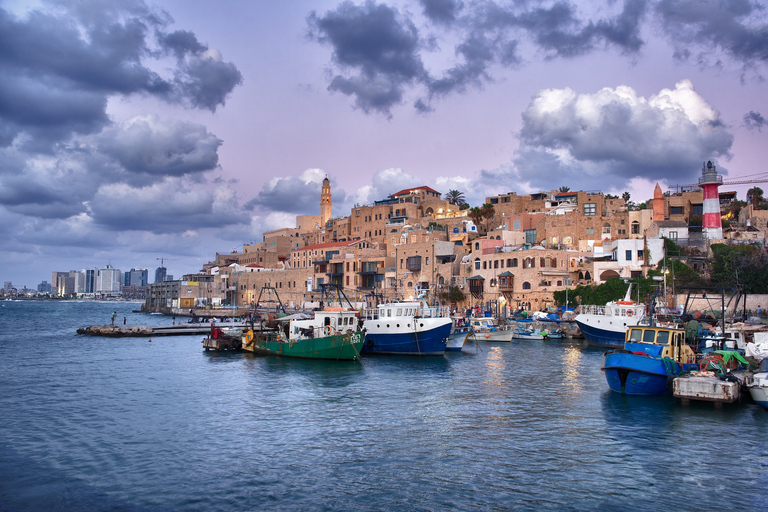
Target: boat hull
604	338
499	335
759	389
427	342
456	340
629	373
339	347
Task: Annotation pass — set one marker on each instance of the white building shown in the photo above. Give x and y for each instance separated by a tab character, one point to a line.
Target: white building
627	258
109	281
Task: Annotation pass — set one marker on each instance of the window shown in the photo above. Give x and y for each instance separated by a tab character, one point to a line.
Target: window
477	264
526	285
628	255
673	235
635	228
590	208
496	264
485	265
675	210
697	209
640	254
590	231
516	225
514	262
606	229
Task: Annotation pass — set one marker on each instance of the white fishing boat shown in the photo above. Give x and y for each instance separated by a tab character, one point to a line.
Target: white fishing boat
457	338
523	333
605	326
488	329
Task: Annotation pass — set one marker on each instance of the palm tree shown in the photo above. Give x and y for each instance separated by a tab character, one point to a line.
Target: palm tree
488	212
625	196
755	196
565	189
454	197
476	214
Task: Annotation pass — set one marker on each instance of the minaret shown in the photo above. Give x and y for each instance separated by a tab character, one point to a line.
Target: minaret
658	204
709	183
325	202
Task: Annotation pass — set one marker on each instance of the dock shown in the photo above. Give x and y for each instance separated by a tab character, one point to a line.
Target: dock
142	331
707	387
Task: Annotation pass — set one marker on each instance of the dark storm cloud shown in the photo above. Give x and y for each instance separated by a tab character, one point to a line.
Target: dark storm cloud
736	27
299	195
58	68
377	42
378	50
146	145
754	120
166	207
441	11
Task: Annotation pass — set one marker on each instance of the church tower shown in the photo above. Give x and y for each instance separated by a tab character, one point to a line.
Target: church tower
658	204
325	202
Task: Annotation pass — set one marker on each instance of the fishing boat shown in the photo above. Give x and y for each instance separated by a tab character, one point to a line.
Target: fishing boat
457	338
651	356
406	328
758	386
605	326
488	329
332	333
529	333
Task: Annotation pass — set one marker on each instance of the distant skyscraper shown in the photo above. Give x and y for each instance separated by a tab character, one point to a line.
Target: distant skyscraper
109	280
160	274
90	280
137	277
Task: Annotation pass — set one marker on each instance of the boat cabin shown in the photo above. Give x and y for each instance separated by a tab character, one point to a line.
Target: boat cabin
325	323
659	342
409	309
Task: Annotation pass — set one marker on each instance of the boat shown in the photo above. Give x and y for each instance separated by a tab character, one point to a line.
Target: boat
406	328
758	386
529	333
650	358
457	338
488	329
605	326
331	333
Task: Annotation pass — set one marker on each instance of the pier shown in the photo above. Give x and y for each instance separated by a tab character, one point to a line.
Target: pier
140	331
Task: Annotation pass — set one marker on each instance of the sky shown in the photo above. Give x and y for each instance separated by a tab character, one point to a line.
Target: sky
132	131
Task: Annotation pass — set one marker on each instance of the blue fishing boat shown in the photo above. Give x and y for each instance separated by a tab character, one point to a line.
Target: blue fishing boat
650	358
406	328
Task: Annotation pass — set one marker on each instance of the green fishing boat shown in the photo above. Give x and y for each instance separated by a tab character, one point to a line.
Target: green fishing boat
332	333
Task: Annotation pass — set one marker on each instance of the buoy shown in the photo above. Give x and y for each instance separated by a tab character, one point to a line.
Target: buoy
150	340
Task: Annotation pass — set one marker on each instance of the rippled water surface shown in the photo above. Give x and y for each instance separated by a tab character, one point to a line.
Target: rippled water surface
117	424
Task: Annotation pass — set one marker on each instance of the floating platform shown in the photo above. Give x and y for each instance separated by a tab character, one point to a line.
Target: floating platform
706	388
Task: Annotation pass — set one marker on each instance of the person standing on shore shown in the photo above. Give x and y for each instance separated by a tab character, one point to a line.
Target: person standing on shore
114	314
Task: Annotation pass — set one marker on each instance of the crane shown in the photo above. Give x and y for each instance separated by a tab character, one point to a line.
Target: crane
162	260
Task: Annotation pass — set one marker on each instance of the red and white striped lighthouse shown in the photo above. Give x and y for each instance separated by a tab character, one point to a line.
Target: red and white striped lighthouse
709	182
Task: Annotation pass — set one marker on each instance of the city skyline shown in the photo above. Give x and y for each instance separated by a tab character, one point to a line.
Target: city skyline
177	129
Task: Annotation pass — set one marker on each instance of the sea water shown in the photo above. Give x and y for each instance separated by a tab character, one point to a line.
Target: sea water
128	424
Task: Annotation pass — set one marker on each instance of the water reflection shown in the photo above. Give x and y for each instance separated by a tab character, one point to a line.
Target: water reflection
572	360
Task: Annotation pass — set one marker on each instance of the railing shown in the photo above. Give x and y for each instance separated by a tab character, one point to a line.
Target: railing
592	310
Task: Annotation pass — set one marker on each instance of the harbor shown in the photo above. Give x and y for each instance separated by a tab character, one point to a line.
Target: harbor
523	425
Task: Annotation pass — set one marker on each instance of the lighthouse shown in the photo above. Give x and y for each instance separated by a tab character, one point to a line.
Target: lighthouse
709	182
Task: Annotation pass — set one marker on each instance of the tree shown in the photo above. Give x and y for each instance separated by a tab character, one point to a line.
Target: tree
454	295
565	189
755	196
454	197
476	214
488	212
625	196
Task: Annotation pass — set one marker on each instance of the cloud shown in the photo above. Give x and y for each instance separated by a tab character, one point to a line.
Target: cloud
150	146
604	139
376	42
441	11
697	27
60	65
378	49
167	207
298	195
754	121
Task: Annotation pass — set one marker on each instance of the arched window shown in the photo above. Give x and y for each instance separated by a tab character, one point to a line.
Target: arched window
526	285
634	228
477	263
514	262
477	246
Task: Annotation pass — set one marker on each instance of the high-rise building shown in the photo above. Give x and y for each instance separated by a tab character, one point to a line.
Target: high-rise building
160	274
109	280
90	280
137	277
